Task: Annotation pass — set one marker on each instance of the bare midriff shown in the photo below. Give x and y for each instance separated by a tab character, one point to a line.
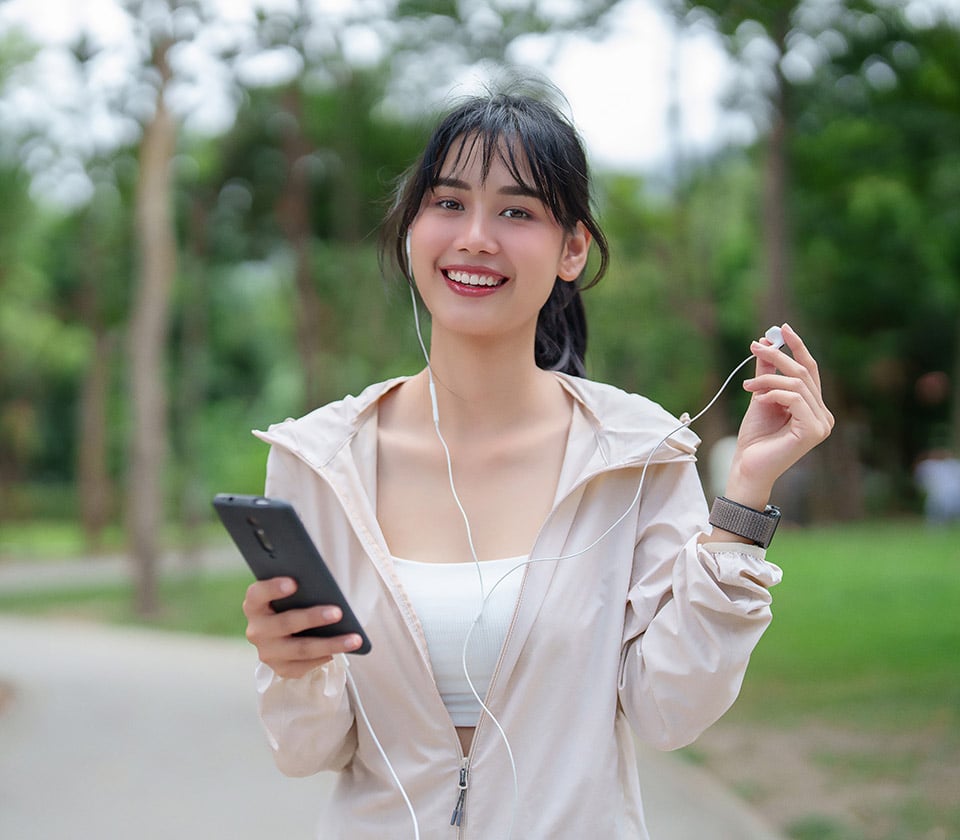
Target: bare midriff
466	738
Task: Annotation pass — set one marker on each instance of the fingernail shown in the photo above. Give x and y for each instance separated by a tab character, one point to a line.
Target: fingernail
331	614
287	586
352	642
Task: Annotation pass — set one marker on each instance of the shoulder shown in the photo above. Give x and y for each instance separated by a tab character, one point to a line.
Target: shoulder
611	401
628	421
323	431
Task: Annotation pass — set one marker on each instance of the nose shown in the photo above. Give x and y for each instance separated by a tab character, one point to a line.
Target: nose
477	234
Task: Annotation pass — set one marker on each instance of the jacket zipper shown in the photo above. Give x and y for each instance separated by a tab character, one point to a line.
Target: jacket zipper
460	809
461	806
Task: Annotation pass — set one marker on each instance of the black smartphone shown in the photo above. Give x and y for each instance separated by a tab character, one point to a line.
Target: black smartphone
274	543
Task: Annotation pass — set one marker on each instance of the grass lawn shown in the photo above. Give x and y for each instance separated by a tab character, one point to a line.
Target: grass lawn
866	627
195	603
45	539
848	724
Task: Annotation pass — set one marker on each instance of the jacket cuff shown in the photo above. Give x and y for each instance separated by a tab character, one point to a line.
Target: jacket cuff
752	549
325	681
739	563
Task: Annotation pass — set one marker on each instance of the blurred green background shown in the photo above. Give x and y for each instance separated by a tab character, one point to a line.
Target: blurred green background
164	289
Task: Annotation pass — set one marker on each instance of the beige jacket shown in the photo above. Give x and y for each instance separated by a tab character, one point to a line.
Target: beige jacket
645	633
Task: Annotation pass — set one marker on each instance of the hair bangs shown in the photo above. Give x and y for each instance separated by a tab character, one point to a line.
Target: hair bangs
501	132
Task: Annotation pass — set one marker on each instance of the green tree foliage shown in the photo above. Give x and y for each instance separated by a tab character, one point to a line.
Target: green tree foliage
877	200
686	266
758	33
40	354
858	117
298	184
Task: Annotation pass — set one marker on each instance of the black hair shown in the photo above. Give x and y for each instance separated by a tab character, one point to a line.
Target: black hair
529	135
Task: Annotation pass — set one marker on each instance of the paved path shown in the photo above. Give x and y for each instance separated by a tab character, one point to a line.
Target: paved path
127	734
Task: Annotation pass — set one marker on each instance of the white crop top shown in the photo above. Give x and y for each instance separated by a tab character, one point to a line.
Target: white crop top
446	597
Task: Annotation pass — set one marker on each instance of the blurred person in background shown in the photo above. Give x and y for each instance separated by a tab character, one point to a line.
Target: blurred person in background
937	475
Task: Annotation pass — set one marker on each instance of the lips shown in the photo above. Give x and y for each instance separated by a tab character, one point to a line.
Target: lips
474	279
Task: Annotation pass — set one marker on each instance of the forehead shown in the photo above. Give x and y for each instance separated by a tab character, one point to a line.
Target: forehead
479	155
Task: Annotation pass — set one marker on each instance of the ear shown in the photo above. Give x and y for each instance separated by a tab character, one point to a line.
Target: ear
576	248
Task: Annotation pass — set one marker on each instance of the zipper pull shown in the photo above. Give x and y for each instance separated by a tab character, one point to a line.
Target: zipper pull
461	806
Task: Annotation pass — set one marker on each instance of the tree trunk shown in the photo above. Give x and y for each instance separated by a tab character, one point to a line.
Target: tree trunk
293	213
193	375
149	324
828	484
93	485
833	472
777	304
94	488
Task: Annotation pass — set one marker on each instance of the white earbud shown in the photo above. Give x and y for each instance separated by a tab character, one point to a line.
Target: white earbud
407	245
775	336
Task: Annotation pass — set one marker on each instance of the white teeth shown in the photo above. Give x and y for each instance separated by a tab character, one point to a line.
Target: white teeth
474	279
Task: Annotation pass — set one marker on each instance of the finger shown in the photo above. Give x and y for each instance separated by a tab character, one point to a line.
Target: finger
296	621
262	629
805	418
260	594
765	362
801	365
797	347
778	383
298	656
305	652
310	648
771	381
801	353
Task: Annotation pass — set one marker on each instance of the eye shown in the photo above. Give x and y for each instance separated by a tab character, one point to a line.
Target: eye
449	204
517	213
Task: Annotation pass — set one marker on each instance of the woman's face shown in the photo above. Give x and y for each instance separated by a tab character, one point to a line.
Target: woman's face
485	252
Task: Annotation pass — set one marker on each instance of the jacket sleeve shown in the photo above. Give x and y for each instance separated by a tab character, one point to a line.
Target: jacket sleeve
310	725
694	614
309	720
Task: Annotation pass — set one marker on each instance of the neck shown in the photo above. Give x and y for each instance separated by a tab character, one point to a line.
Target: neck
489	385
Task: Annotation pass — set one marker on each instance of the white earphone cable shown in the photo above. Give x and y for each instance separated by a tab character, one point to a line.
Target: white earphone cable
443	443
380	749
636	498
485	596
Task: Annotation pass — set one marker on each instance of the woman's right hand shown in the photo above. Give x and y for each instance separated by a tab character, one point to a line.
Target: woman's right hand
272	632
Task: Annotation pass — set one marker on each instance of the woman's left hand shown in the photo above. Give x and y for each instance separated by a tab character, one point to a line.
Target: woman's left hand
786	418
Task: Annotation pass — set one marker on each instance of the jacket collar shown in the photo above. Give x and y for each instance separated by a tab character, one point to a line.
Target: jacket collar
626	427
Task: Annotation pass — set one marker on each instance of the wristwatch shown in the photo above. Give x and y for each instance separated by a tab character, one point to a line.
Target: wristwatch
754	525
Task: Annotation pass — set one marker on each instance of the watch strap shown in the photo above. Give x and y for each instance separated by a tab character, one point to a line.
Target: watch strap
754	525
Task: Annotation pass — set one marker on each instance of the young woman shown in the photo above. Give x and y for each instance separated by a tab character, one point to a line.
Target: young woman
499	483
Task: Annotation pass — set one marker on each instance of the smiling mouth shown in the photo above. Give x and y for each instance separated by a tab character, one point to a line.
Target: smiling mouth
465	278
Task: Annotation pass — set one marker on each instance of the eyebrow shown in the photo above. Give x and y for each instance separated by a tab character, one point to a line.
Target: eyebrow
510	189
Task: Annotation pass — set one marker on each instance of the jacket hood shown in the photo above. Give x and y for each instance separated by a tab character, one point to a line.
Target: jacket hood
631	427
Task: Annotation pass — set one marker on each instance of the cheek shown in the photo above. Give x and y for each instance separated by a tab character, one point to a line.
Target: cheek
540	252
417	248
425	240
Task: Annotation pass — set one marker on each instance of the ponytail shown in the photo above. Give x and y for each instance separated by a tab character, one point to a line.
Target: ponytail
561	339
